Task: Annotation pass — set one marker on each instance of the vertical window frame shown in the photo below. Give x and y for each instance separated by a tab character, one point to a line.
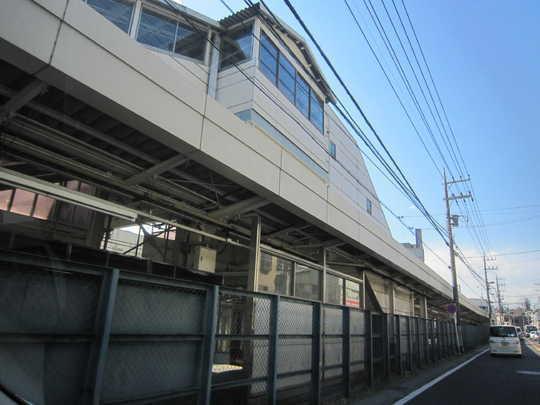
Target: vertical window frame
265	38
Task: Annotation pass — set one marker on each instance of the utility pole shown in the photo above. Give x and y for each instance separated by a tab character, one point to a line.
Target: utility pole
499	299
452	220
486	268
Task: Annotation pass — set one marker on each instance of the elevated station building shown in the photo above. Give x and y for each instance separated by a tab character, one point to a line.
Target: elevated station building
213	145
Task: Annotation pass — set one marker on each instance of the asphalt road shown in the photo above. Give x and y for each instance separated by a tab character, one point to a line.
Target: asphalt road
489	380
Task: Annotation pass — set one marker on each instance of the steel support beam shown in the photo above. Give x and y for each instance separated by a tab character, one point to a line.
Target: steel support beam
209	344
98	357
20	99
157	169
255	254
88	130
238	208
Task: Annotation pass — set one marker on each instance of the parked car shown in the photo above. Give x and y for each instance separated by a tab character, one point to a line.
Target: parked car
504	339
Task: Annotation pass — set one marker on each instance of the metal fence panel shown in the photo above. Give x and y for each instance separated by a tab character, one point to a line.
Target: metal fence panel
173	340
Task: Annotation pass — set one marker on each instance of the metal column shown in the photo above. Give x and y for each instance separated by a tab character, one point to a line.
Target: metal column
316	362
369	346
347	350
98	361
209	344
255	254
272	353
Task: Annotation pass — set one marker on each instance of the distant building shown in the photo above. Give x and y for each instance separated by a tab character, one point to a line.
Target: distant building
417	248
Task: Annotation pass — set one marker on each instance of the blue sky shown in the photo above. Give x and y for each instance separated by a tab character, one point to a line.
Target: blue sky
484	56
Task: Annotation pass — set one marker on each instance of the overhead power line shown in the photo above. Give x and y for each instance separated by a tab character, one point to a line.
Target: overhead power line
523	252
401	178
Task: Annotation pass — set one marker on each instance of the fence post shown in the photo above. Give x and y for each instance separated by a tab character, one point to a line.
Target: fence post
409	341
388	318
347	349
316	352
212	306
369	346
398	345
418	343
109	288
272	353
427	346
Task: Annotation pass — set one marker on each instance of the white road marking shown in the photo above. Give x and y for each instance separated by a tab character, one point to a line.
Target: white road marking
528	372
430	384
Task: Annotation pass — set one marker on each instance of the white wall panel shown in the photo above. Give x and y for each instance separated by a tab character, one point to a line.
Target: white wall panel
296	193
30	29
240	157
76	56
136	56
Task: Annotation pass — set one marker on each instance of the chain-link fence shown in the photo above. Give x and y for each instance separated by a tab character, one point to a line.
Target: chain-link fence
73	334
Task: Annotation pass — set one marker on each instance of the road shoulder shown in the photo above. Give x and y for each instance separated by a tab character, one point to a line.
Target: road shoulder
399	387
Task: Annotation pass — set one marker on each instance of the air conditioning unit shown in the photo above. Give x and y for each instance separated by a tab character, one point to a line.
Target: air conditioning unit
204	259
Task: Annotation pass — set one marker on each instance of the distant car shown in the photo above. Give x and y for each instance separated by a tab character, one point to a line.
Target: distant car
520	333
504	339
533	335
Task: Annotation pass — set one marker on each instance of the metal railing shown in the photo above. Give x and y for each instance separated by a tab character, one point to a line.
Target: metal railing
72	333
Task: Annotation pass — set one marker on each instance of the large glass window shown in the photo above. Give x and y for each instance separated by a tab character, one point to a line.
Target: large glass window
268	58
190	43
280	71
302	95
236	47
316	112
286	78
275	275
334	289
307	283
116	11
156	30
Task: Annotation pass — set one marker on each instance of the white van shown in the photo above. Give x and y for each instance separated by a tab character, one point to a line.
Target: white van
504	339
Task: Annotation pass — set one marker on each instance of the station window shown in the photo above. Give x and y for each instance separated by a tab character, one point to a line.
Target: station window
280	71
268	55
190	43
286	78
236	47
307	283
316	112
156	30
165	33
334	289
332	149
369	206
302	96
275	275
118	12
